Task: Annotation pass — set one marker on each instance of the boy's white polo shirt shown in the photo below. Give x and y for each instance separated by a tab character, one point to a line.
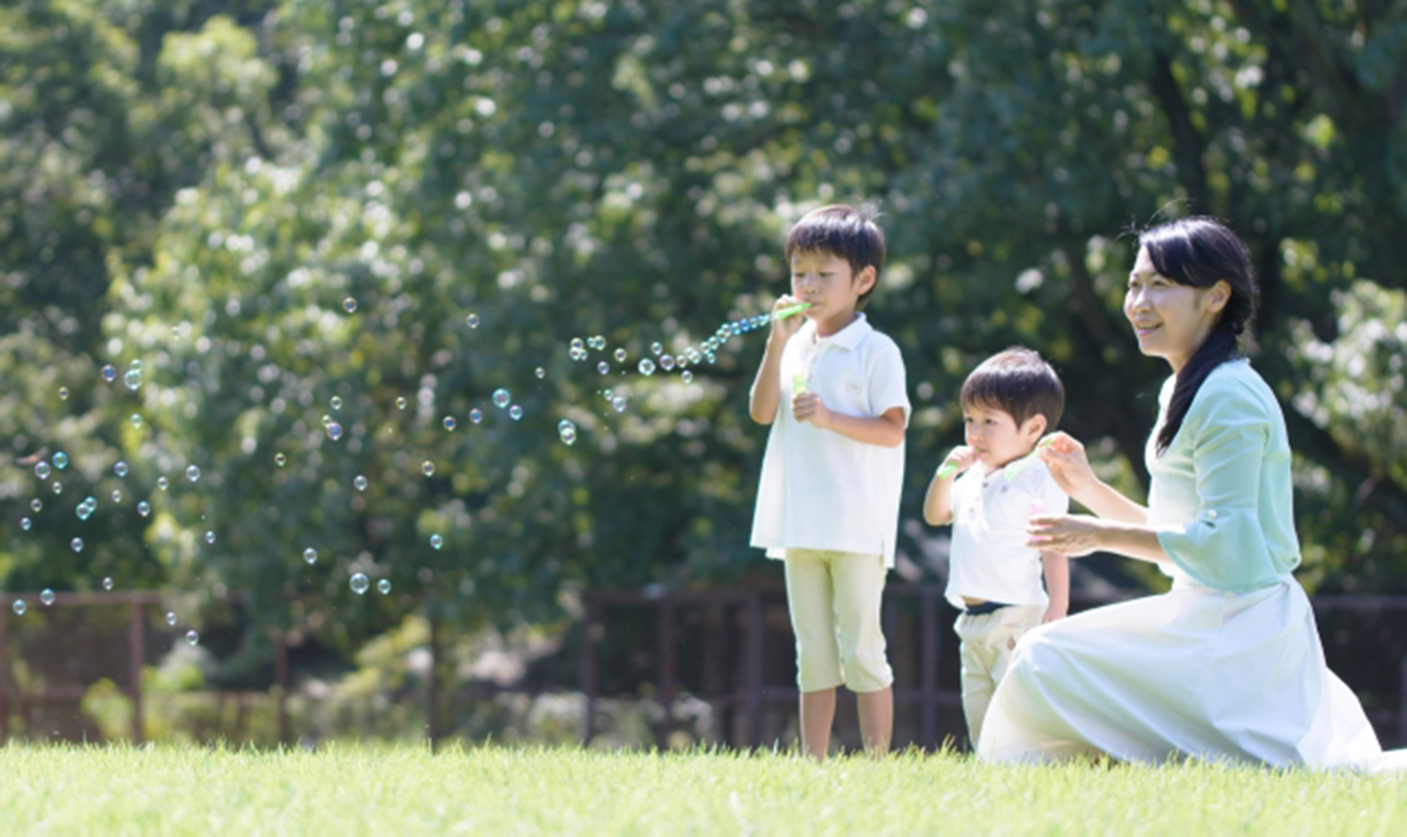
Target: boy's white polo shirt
988	557
819	489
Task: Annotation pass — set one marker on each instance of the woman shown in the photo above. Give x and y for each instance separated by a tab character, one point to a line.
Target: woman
1227	665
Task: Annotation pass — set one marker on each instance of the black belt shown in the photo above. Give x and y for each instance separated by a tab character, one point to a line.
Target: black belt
984	608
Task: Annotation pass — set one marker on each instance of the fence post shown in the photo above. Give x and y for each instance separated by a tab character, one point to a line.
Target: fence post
281	680
588	669
138	651
4	673
756	633
665	645
432	686
1401	699
928	665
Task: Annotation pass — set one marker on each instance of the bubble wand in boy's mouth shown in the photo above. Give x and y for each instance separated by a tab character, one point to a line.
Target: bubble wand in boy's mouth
1012	468
791	310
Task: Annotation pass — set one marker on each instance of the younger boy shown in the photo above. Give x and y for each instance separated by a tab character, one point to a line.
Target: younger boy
832	388
1008	402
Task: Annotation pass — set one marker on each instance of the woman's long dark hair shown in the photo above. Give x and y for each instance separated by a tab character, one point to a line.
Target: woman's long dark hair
1199	252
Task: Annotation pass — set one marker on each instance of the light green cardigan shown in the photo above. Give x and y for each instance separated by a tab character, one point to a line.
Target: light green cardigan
1221	497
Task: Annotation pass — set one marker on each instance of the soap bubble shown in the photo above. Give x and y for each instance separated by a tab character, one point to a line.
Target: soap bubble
540	373
578	345
76	544
310	556
619	403
144	508
280	460
655	349
472	320
692	354
109	373
600	343
603	367
19	607
436	541
359	482
192	473
350	304
449	422
567	431
41	470
476	415
120	469
192	638
63	393
46	596
384	586
336	402
58	488
428	467
620	355
606	393
36	504
515	412
681	361
359	583
133	379
61	460
210	536
135	365
136	419
401	403
162	482
26	523
117	495
85	511
646	367
501	397
107	583
334	430
171	618
577	353
687	377
667	363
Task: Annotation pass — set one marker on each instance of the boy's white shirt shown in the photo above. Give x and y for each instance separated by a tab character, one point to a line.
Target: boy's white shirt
819	489
988	557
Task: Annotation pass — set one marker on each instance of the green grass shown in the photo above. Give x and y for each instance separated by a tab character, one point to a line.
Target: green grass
350	790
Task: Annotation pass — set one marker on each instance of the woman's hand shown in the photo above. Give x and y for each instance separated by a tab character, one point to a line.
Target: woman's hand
1065	456
1067	534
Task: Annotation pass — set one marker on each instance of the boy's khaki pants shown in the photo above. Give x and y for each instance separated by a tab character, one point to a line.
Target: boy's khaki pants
987	643
834	600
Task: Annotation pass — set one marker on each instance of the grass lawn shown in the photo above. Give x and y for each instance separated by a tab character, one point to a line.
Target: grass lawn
349	790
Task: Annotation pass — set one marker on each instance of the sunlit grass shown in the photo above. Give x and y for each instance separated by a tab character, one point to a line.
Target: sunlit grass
349	790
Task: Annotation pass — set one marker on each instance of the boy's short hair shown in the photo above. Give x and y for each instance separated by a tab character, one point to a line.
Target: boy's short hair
1018	382
845	232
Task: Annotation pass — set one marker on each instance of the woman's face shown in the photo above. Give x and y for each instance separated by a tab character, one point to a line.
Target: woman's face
1170	320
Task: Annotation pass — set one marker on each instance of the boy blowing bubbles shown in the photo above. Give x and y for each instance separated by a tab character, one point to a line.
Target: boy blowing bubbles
828	498
1008	403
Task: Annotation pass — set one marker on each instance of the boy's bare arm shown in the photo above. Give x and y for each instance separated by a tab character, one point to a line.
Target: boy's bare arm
1057	584
938	503
766	396
885	430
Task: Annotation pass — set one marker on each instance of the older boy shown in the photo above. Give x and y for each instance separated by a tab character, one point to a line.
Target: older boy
1008	402
828	500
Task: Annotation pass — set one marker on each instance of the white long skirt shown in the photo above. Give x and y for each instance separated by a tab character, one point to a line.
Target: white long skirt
1193	672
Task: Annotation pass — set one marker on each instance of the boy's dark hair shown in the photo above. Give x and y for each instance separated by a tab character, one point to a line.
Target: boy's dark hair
1018	382
846	232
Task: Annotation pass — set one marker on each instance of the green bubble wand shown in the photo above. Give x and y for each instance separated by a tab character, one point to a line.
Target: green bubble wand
1012	469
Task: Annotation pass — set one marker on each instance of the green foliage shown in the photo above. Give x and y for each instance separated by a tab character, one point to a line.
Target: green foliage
202	192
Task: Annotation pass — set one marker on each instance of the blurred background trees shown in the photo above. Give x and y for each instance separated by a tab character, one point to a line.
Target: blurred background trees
270	205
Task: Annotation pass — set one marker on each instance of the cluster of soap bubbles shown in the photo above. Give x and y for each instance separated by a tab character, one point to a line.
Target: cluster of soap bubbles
132	379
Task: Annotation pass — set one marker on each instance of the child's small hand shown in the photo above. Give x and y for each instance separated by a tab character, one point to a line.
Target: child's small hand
782	330
1053	614
808	406
959	459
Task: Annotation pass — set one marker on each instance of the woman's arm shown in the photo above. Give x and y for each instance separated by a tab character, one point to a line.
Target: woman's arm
1069	465
1080	534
